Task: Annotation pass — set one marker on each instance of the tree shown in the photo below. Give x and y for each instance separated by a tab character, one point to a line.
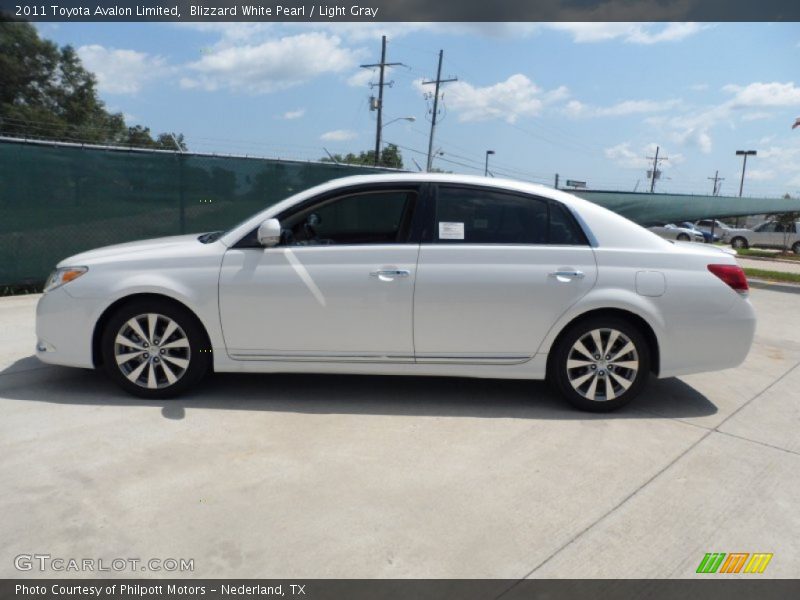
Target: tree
390	157
45	92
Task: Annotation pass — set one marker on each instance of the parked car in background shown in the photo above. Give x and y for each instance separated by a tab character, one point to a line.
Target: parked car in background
670	231
405	274
707	237
770	234
720	229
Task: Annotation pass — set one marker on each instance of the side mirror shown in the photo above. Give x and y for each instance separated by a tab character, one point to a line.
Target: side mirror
269	233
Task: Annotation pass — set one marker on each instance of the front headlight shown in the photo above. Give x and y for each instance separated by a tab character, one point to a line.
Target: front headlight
63	275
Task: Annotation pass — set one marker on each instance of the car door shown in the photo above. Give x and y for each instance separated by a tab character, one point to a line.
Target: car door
495	272
339	286
764	235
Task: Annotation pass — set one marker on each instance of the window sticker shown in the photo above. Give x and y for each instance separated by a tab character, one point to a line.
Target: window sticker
451	231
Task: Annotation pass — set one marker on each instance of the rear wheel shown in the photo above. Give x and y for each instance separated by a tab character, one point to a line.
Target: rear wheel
739	243
155	349
796	248
601	364
683	237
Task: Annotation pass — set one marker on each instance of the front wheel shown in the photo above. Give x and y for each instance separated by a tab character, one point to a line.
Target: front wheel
154	349
601	364
796	248
682	237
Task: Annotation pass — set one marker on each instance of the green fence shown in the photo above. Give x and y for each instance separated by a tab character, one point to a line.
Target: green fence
57	200
60	199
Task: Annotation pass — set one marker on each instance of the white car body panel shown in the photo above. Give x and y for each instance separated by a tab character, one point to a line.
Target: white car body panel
496	289
483	311
318	301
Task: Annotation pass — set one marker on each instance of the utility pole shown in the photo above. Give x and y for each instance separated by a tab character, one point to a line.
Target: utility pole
379	106
437	82
745	154
555	184
655	172
717	182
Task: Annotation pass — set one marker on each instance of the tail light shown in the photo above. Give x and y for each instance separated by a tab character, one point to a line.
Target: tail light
732	275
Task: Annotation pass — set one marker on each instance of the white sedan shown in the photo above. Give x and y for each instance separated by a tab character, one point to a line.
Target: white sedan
670	231
405	275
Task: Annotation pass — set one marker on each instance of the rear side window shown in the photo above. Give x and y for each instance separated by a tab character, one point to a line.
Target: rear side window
479	216
563	229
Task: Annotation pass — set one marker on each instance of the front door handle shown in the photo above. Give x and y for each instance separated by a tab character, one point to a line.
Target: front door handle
565	274
389	274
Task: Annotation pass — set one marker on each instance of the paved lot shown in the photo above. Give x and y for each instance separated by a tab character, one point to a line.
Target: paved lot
322	476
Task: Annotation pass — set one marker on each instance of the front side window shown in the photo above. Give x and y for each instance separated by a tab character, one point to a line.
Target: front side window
479	216
766	228
361	218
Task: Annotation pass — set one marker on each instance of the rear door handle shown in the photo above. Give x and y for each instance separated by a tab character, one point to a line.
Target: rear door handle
389	274
568	274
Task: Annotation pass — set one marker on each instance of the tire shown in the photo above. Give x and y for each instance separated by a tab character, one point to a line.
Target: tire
586	386
682	237
739	242
183	358
796	248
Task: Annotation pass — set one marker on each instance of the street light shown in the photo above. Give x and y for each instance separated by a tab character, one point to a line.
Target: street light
380	131
486	169
744	153
409	119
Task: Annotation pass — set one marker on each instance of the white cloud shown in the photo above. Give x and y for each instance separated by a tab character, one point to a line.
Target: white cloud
515	97
697	137
764	94
634	33
756	116
338	135
778	161
694	128
273	65
761	174
625	156
121	71
294	114
576	108
360	78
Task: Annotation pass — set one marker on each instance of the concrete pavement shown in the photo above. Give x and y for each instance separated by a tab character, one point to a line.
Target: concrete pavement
339	476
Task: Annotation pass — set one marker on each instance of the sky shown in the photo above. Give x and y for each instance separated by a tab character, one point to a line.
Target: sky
589	101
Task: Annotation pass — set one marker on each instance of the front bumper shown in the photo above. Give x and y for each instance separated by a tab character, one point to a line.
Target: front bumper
64	329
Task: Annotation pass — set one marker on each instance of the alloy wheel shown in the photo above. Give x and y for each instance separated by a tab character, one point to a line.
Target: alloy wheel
152	351
602	364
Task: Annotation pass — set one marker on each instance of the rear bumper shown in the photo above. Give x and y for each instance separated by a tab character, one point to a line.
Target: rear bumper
724	343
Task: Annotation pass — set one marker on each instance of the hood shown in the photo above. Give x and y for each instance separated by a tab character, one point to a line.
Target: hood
175	242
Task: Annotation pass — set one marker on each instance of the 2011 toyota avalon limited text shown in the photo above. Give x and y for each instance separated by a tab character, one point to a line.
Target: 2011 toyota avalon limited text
404	274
